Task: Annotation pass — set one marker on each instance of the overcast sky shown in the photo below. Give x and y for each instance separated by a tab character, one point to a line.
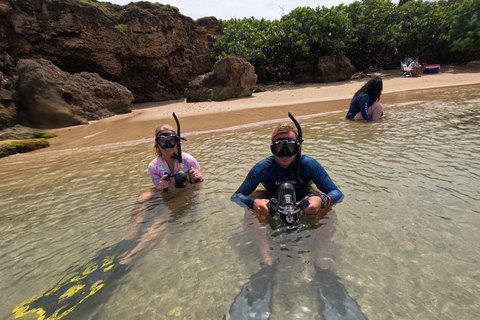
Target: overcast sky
226	9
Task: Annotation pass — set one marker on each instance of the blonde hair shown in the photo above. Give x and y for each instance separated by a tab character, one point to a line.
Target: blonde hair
284	127
164	127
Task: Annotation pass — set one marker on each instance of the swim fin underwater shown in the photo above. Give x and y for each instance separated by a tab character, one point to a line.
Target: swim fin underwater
254	300
100	274
338	305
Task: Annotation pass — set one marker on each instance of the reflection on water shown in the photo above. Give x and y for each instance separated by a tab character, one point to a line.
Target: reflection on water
406	244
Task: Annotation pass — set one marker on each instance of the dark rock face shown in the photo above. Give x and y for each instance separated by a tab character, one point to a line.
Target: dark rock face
51	98
151	49
323	69
231	78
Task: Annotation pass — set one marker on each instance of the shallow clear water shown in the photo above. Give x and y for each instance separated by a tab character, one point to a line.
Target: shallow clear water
406	244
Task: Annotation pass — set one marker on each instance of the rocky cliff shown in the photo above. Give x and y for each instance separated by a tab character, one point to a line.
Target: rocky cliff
149	48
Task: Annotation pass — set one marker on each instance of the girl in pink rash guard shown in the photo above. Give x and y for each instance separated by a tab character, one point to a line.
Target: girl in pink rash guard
163	168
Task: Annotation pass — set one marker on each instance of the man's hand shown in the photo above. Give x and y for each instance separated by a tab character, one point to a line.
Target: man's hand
314	206
260	206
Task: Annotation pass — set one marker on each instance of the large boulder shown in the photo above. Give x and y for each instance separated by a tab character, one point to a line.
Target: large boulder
230	78
334	68
323	69
50	98
150	48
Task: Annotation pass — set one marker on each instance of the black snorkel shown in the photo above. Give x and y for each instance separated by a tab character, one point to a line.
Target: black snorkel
180	177
179	140
298	157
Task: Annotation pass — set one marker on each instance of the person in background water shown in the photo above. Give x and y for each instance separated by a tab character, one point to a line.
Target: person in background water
365	105
162	168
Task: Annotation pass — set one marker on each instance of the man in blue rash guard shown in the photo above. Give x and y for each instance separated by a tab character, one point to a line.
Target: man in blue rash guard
254	300
278	168
281	167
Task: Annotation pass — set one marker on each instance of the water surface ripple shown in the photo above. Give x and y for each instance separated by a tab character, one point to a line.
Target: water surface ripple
406	244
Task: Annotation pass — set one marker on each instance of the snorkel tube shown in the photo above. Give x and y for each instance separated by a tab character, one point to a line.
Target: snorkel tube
179	140
180	176
298	157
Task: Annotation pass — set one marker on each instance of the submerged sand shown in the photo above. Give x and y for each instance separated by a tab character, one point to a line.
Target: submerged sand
274	103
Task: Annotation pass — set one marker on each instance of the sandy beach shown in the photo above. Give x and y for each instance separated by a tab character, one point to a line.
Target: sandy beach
274	103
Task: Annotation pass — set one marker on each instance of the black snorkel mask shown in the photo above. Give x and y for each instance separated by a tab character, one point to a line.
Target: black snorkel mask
166	140
287	147
284	147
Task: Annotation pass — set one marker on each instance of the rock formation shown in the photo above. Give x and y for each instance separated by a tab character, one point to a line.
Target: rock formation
230	78
51	98
323	69
149	48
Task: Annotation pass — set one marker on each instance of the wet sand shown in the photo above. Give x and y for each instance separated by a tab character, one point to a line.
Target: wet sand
274	103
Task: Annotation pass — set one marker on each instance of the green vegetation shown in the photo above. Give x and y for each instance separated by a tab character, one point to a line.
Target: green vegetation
122	28
118	12
25	143
371	33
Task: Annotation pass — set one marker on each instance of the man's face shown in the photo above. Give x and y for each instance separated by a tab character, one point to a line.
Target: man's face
284	161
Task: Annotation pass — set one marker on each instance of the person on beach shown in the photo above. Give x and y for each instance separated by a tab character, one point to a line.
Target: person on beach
288	165
163	168
414	67
365	104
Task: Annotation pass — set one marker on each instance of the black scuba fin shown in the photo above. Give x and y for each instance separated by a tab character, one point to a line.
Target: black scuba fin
338	305
254	300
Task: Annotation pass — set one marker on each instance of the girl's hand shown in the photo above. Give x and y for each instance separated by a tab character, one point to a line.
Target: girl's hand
164	182
195	176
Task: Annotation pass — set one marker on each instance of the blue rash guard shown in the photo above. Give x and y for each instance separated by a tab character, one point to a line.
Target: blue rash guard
271	175
359	104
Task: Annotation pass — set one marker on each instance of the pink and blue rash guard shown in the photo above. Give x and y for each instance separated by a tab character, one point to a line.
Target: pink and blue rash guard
359	104
159	167
271	175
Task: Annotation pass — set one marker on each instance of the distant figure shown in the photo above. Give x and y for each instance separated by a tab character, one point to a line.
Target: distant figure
365	105
414	67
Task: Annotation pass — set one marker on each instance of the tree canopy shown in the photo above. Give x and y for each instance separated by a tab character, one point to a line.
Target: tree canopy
371	33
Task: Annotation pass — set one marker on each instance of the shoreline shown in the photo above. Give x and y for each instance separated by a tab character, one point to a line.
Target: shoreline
274	103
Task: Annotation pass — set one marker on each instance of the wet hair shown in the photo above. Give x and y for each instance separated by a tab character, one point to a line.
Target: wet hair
164	127
284	127
373	88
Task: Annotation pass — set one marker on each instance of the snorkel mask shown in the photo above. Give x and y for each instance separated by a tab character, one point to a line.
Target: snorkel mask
166	140
285	147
